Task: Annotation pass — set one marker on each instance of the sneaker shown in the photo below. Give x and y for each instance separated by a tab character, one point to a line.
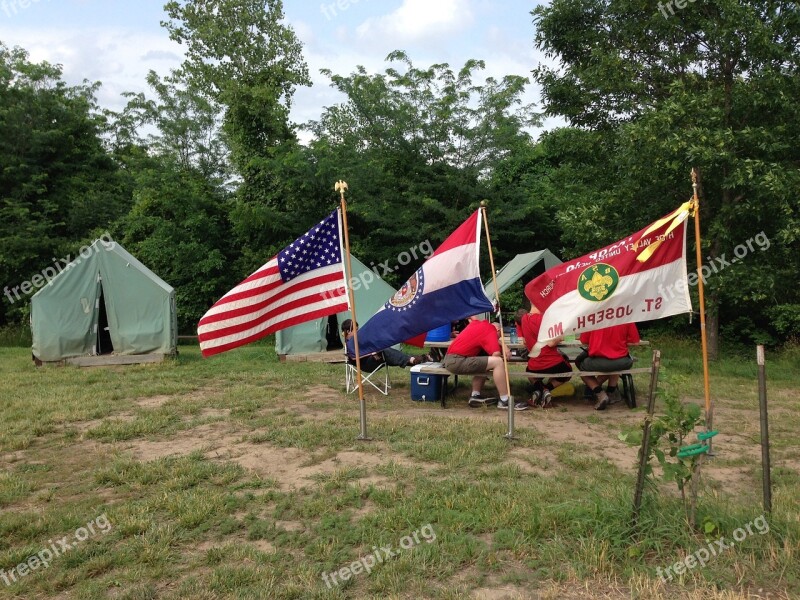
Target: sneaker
520	405
547	399
480	400
614	396
535	398
602	401
502	404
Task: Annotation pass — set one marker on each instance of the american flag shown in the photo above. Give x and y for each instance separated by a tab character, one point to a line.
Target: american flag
304	281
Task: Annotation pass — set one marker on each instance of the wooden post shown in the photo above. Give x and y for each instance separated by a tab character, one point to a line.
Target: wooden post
644	451
340	187
762	404
510	434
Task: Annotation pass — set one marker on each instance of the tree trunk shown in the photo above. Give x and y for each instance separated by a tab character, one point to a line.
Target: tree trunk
712	333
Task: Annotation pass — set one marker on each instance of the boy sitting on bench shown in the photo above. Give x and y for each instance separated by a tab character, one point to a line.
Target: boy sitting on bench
548	360
608	351
477	350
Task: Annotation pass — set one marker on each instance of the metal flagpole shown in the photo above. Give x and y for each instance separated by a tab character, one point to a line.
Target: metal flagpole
510	434
696	213
340	187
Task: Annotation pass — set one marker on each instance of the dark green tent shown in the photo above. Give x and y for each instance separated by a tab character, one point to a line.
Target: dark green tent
518	267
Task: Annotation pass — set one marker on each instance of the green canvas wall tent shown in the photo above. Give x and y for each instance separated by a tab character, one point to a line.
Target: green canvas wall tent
371	293
518	267
104	304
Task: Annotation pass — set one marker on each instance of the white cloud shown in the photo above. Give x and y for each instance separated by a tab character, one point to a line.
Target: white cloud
417	20
118	58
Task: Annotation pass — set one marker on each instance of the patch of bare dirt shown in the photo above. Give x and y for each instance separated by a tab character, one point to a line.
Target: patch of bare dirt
83	427
208	438
151	402
324	393
368	508
290	525
563	428
290	467
154	401
216	413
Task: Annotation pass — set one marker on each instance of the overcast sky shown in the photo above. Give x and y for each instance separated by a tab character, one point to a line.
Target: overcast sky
117	42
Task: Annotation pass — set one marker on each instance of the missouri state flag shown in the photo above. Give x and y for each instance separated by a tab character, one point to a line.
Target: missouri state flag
304	281
446	288
639	278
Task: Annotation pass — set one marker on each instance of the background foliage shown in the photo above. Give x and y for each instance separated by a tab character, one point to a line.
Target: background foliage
204	178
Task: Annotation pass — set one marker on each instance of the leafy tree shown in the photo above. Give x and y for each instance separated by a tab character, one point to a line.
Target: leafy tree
179	225
418	147
187	124
58	185
712	86
249	61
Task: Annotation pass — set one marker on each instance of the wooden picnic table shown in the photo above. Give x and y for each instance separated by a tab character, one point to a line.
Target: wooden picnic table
568	346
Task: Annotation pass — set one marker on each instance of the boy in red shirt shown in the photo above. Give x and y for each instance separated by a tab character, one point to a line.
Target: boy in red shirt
549	359
475	350
608	351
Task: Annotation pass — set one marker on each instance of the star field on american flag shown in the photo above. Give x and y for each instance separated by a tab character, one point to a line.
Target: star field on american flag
317	248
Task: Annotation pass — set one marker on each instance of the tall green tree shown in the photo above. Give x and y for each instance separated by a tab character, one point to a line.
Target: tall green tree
712	85
417	147
187	123
59	187
179	224
244	55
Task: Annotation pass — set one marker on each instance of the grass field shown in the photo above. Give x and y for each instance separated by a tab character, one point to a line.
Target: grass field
241	477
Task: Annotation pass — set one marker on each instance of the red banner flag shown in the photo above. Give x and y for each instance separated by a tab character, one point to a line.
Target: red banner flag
639	278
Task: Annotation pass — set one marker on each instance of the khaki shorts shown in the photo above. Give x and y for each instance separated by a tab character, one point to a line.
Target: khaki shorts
465	365
604	365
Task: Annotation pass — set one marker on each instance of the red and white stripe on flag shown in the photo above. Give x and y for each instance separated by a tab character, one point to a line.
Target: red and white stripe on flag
304	281
617	284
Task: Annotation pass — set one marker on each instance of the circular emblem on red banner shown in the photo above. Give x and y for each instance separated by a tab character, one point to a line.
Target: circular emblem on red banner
598	282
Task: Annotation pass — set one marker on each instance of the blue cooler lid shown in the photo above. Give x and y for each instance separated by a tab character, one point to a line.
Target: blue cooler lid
439	334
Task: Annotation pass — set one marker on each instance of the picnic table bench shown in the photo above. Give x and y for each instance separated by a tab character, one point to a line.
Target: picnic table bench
628	389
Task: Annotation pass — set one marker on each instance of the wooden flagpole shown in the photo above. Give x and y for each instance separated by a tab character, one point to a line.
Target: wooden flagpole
510	434
340	187
703	338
